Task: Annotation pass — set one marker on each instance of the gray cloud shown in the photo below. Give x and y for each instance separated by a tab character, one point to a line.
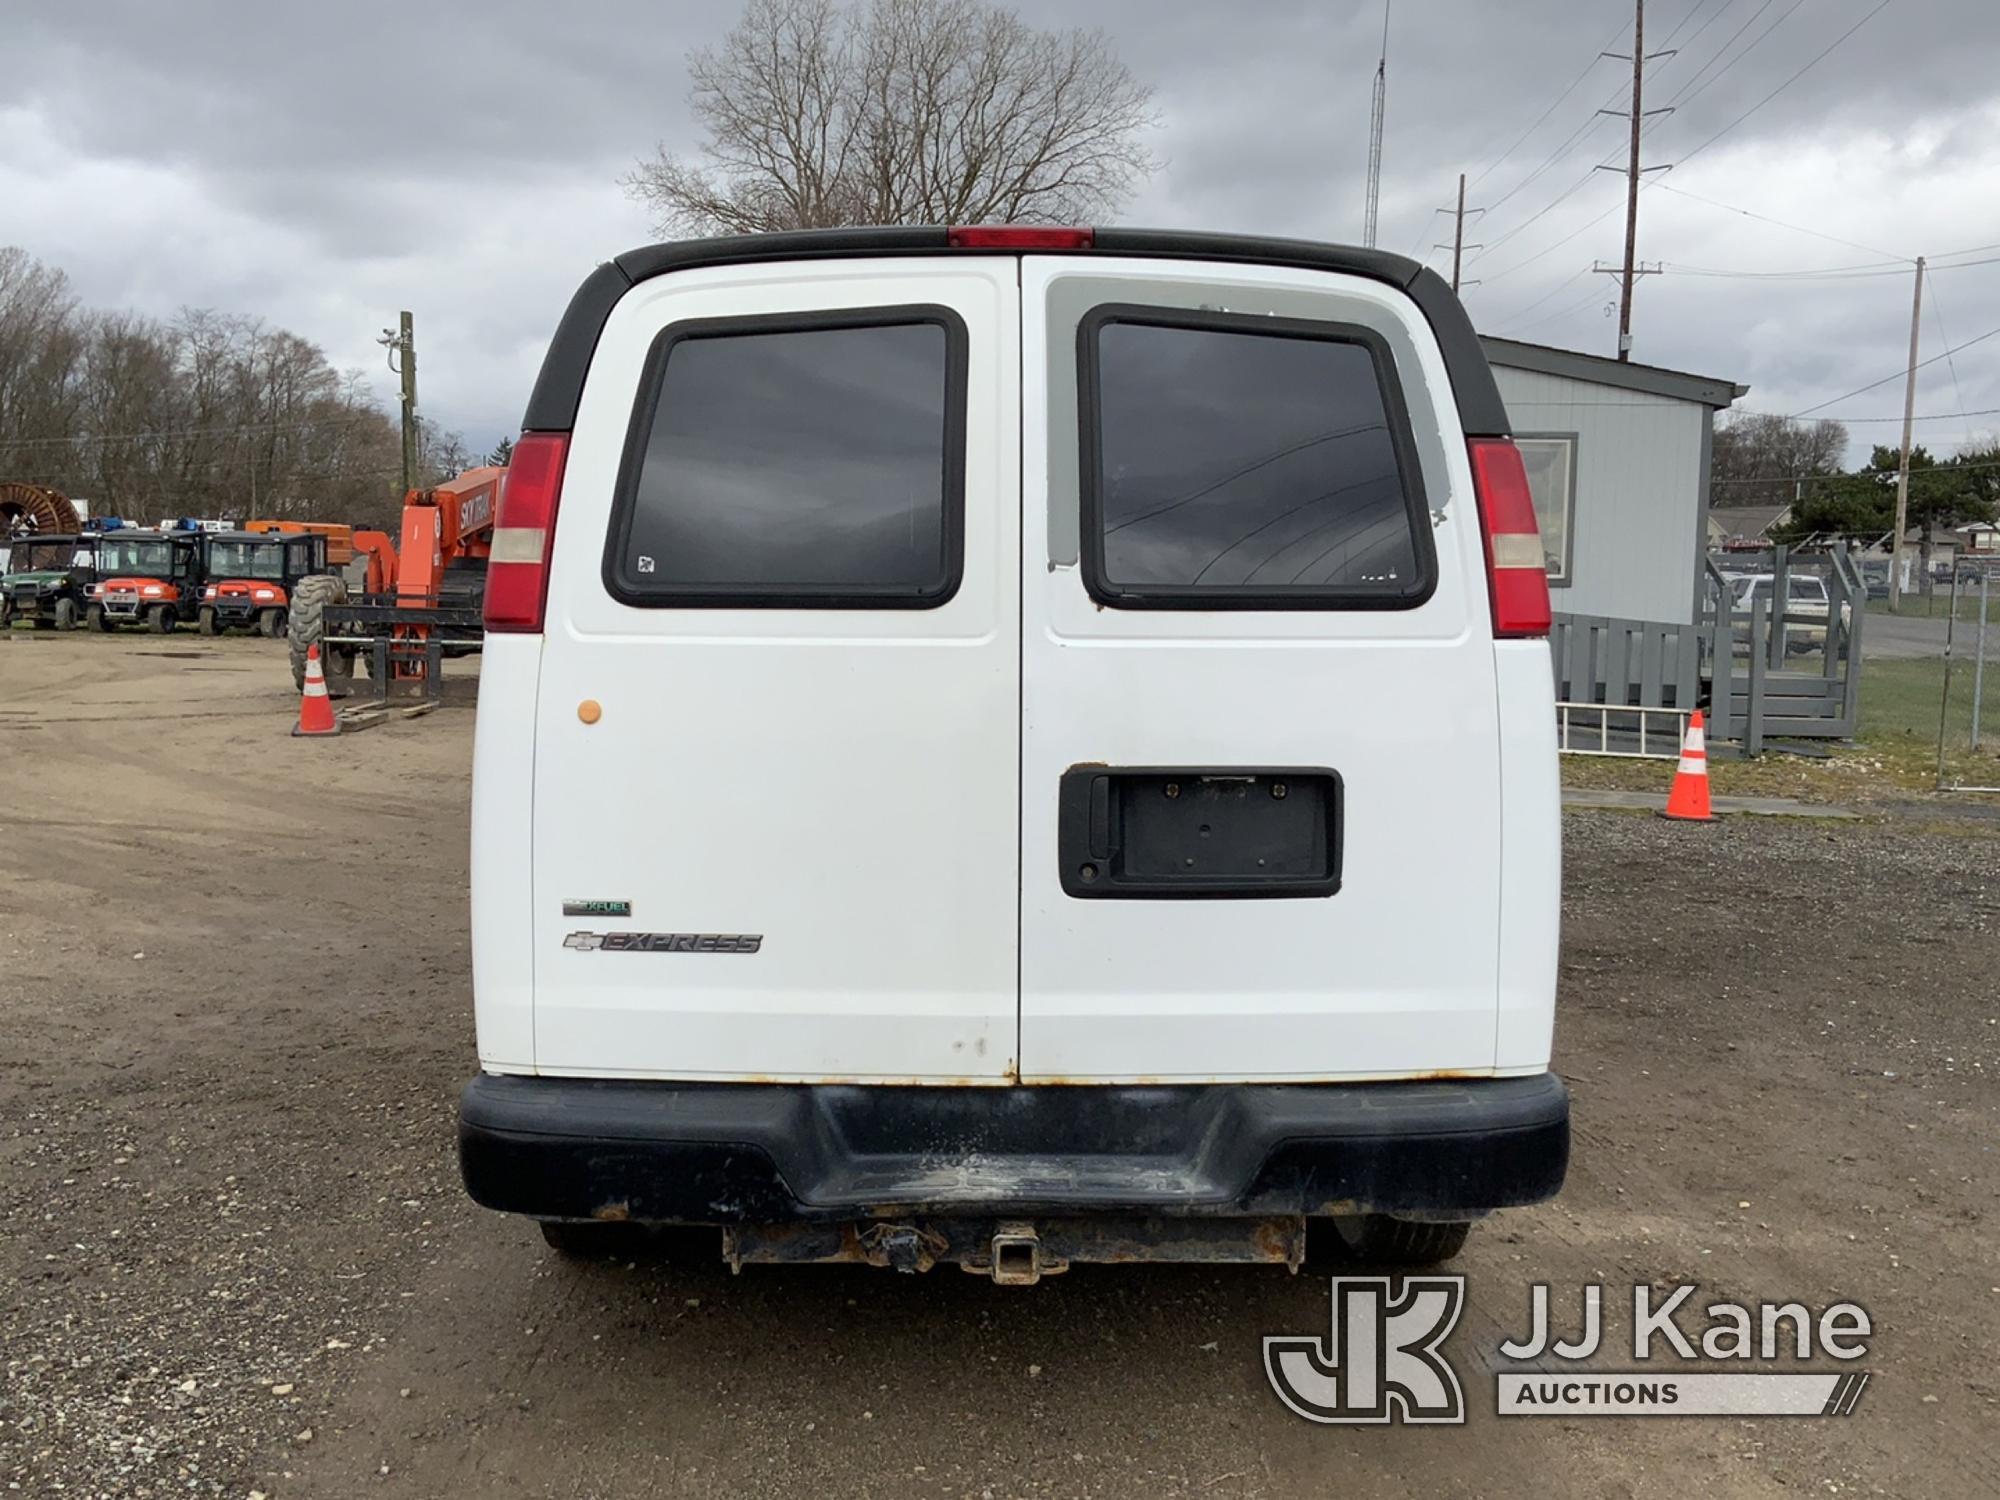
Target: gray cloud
322	167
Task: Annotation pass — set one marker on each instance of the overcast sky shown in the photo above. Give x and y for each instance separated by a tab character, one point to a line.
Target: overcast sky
321	167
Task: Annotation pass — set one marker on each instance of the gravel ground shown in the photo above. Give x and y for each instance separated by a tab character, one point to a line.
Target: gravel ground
234	970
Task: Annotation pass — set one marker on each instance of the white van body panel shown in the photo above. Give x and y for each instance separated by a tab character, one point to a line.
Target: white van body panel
503	854
873	791
1530	857
841	782
1400	702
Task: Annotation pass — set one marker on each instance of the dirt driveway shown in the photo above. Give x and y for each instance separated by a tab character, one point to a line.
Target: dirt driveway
234	979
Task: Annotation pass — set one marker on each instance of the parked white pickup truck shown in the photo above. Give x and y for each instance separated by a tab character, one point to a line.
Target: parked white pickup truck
1015	747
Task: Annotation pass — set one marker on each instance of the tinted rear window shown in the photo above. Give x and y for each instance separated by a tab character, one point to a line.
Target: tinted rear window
796	462
1246	461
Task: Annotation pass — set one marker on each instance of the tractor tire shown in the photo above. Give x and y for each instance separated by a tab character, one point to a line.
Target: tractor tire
65	614
97	619
6	613
160	619
307	625
206	622
272	623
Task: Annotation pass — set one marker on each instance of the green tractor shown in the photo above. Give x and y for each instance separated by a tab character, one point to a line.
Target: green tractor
48	580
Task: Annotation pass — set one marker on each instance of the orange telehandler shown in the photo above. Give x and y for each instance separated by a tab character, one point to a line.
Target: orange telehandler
419	601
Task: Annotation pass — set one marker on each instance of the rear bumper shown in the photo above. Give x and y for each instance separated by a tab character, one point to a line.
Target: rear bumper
560	1148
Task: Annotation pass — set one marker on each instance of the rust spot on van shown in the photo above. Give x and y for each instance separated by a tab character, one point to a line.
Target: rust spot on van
1280	1240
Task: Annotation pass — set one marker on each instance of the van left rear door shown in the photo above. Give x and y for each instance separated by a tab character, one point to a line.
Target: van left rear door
777	748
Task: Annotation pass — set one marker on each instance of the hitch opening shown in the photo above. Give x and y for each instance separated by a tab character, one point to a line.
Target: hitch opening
1017	1255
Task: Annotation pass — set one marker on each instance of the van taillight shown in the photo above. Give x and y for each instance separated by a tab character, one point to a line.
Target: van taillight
1018	237
1516	572
517	570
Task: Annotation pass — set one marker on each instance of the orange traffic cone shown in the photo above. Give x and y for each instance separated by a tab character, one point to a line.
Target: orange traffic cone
315	708
1689	796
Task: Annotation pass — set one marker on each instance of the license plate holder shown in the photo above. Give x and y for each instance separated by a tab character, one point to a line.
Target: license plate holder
1166	832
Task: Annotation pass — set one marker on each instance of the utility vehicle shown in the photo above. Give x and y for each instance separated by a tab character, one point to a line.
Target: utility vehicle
150	578
47	580
251	578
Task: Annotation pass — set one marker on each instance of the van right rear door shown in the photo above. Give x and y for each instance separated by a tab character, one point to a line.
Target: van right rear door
1260	824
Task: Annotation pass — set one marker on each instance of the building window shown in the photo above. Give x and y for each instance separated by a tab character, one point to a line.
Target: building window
1551	463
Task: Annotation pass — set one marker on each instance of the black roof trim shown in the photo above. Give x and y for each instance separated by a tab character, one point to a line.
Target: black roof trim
559	387
1599	369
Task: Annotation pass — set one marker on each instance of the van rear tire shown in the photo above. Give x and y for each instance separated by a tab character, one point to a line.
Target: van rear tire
690	1245
1381	1240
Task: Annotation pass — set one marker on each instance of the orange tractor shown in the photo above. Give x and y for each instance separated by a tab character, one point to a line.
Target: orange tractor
418	603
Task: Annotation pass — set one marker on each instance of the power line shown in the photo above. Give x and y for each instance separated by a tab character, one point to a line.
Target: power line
1610	42
1936	416
1680	192
1699	29
1831	273
1937	317
1820	56
1551	249
352	419
1694	85
1898	374
1552	291
1561	312
1596	116
1574	187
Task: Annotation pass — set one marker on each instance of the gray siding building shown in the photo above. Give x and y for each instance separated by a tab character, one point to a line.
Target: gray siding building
1618	457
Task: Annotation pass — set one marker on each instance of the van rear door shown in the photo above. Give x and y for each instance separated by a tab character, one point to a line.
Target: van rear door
1260	746
776	757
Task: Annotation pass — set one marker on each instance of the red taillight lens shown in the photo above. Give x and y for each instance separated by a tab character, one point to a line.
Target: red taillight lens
1018	237
517	570
1516	571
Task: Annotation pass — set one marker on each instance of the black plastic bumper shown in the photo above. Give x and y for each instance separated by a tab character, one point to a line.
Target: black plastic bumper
719	1153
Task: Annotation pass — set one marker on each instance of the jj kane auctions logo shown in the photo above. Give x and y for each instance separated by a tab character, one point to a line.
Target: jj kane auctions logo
1383	1358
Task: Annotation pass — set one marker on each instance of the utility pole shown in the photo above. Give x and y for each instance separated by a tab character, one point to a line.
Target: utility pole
1903	468
1375	115
1458	247
402	346
1633	171
1632	182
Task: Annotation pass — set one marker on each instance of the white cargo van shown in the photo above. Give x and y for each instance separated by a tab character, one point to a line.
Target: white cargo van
1014	747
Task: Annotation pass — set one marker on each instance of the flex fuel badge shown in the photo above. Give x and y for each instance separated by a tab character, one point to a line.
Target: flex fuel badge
597	908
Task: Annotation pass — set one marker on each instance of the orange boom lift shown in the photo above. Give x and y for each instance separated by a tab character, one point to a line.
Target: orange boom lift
420	602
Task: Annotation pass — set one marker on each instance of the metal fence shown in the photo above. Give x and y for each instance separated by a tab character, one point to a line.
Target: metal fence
1960	729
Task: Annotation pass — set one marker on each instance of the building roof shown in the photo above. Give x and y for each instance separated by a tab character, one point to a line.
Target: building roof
1746	520
1545	359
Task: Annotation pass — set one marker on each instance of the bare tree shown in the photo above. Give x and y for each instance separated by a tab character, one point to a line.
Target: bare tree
899	112
207	415
1760	458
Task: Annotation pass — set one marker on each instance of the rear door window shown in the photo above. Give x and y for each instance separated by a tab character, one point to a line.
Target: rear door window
813	461
1235	461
